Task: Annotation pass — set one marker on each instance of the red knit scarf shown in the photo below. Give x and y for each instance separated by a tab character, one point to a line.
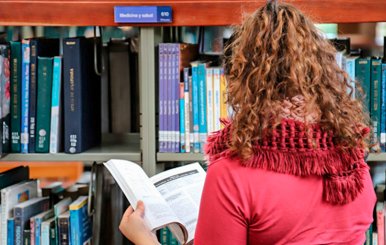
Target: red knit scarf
293	150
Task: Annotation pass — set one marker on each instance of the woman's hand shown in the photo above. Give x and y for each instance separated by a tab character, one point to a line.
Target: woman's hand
134	228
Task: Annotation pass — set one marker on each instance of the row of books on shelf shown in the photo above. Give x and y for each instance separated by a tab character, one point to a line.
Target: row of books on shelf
192	94
49	100
191	98
50	215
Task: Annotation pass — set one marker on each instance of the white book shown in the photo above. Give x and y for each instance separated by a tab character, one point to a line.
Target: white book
209	100
10	197
55	136
217	98
171	198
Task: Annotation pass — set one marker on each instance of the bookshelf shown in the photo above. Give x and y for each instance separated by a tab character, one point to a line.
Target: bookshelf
142	148
206	12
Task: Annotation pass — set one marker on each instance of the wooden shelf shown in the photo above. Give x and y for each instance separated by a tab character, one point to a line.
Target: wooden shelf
185	12
180	157
124	147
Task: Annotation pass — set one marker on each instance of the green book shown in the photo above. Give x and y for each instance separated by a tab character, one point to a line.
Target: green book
15	65
362	75
375	101
44	92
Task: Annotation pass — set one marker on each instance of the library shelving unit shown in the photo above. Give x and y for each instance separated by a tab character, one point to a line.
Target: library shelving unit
142	148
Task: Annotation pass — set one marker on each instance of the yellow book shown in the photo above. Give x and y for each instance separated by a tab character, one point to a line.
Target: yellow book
223	105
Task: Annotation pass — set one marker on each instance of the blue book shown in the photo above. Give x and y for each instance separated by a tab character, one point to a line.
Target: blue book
176	97
10	231
375	95
202	104
38	220
182	119
162	97
383	108
25	82
80	227
195	108
56	108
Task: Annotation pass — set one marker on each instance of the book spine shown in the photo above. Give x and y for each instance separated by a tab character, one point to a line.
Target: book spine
176	97
19	230
4	220
187	110
32	94
195	109
45	235
52	235
15	96
32	231
38	230
182	119
55	135
162	90
202	105
383	108
5	97
75	228
44	104
27	237
375	111
217	98
72	92
362	74
223	96
10	231
64	231
169	120
167	97
209	99
25	97
350	69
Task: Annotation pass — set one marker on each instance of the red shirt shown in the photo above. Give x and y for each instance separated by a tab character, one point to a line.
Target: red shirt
243	205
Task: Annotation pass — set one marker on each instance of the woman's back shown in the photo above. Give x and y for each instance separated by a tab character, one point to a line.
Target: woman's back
242	205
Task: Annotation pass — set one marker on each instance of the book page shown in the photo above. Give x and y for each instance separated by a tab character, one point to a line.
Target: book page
182	188
136	185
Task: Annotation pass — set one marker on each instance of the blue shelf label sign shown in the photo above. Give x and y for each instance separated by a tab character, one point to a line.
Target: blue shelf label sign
142	14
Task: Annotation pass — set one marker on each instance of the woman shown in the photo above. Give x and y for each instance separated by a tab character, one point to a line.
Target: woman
289	167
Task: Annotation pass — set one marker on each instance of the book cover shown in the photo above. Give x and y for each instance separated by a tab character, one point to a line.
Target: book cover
44	92
16	74
82	90
24	135
81	226
56	107
11	196
5	96
23	212
40	47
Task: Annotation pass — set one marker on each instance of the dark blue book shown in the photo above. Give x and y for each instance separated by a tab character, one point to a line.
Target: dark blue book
82	93
40	47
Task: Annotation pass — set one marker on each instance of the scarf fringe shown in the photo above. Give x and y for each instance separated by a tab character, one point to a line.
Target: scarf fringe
342	169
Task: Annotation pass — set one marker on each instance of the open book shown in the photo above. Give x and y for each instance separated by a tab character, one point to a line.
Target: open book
171	198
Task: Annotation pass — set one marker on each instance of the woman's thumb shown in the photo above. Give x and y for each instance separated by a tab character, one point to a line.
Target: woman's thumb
140	208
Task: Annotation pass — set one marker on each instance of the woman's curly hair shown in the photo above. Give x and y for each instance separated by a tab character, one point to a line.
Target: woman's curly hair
278	53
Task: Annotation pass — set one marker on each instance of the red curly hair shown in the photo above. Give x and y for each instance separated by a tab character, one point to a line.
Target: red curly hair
278	53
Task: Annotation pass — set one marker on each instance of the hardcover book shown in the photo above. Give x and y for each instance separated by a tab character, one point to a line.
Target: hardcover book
5	96
15	96
40	47
82	90
171	198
